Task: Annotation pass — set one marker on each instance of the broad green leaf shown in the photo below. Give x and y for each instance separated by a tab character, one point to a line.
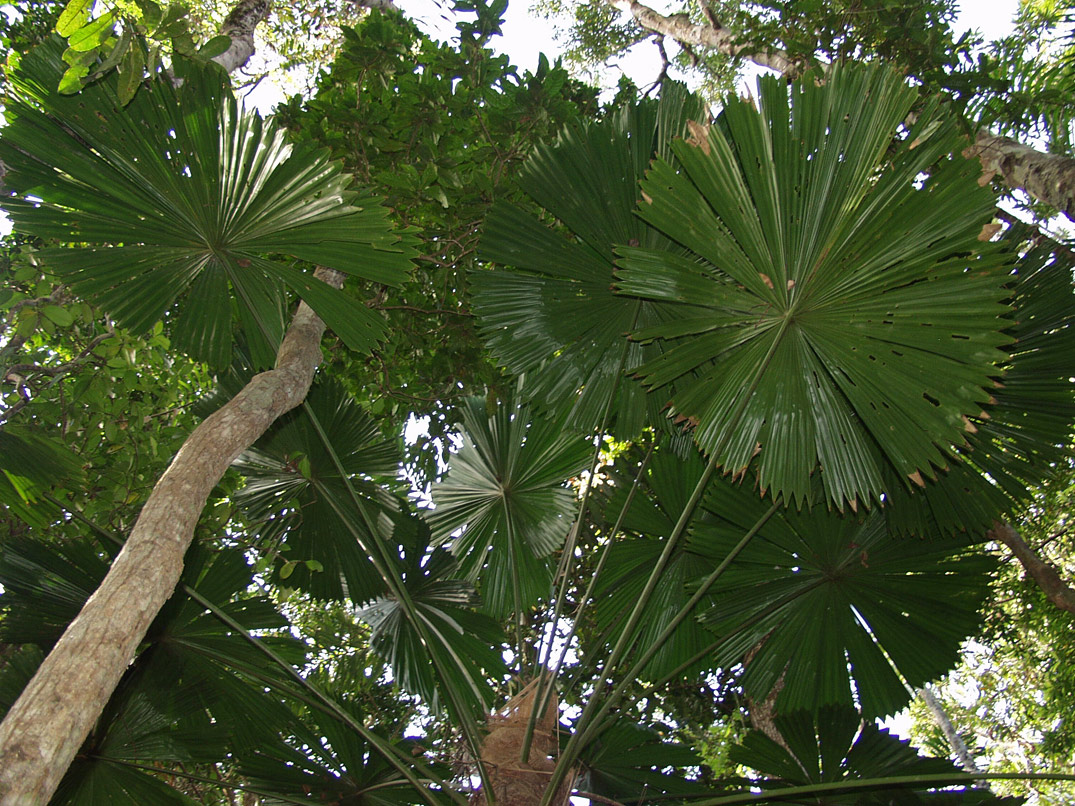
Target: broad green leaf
58	315
506	490
93	34
130	73
71	81
836	311
551	313
834	607
214	47
151	12
186	194
74	16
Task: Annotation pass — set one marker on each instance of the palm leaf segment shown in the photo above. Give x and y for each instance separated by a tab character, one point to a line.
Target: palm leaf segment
506	490
182	193
833	609
465	644
837	308
552	314
838	747
1023	435
299	506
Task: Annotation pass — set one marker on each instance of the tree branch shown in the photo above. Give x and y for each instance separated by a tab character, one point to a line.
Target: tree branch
44	729
1056	590
1049	178
240	25
680	28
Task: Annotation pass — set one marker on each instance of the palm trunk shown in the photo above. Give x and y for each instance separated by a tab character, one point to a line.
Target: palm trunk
44	729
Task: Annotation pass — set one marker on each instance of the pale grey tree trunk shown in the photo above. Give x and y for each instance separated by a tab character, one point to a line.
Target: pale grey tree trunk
44	729
955	741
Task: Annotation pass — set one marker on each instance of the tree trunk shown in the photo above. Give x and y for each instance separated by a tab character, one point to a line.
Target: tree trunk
1058	592
1049	178
44	729
240	25
955	741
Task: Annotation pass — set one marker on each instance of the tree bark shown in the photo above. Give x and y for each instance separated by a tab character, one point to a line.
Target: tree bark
239	25
44	729
1049	178
1056	590
715	37
955	741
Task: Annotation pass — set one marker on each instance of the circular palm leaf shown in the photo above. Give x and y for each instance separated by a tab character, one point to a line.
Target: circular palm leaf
838	747
182	195
552	314
837	308
825	605
506	491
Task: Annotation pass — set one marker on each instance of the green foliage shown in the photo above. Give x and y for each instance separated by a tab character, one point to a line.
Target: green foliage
1009	696
173	209
440	132
1027	92
804	286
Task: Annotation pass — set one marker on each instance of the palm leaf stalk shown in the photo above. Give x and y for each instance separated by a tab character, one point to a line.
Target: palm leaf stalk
587	595
424	628
812	791
627	636
316	698
544	696
545	686
632	674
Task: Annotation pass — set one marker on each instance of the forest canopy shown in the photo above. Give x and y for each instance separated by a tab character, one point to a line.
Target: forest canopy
735	426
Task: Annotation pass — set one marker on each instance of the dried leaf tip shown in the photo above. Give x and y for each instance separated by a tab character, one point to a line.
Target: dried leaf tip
988	231
765	279
916	477
968	426
699	136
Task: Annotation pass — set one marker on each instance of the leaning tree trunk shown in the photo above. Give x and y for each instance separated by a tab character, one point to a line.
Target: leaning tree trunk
1045	575
44	729
1049	178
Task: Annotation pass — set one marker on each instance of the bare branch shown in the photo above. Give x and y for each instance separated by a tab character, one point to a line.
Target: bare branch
1047	177
680	28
